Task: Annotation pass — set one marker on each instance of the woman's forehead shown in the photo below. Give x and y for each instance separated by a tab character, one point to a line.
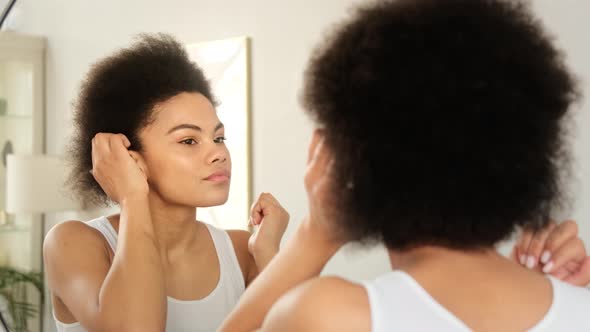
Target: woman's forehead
186	108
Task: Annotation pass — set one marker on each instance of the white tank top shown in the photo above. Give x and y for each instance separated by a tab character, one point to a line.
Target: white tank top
399	303
205	314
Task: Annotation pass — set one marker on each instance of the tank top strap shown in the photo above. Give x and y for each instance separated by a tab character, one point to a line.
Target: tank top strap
103	225
228	261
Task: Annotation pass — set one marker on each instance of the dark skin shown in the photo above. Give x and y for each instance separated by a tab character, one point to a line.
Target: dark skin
161	250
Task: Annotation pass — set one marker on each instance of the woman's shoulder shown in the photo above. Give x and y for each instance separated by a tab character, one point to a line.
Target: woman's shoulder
71	235
72	228
297	309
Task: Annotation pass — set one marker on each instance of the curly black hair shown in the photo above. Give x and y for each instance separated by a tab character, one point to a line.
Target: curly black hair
448	121
119	95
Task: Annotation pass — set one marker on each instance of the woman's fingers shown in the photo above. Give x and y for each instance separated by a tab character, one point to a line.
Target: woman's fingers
522	245
536	247
561	234
261	206
571	251
119	171
555	250
581	276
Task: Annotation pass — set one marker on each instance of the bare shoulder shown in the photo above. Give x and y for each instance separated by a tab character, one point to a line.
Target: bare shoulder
73	245
344	306
69	235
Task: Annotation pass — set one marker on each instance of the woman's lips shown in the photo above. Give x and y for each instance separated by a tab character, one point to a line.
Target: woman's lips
219	176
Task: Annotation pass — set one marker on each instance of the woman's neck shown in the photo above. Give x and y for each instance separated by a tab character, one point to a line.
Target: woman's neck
426	255
175	227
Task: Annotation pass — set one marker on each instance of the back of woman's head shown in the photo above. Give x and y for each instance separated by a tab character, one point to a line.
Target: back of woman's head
447	120
119	94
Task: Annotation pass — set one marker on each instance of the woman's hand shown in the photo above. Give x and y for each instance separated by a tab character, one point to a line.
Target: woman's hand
120	173
319	225
272	220
556	250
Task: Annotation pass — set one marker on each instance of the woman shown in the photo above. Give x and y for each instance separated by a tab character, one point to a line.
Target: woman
169	271
441	130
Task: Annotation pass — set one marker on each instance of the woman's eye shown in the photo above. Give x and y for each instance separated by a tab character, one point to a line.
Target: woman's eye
188	141
220	139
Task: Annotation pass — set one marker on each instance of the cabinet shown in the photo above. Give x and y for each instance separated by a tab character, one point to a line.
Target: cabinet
22	132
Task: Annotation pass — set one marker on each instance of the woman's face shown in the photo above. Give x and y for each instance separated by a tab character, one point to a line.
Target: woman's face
187	161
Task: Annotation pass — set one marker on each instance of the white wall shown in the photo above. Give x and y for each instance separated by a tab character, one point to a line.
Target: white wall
283	34
569	24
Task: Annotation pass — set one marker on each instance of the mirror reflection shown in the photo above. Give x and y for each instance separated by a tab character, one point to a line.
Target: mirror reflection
229	166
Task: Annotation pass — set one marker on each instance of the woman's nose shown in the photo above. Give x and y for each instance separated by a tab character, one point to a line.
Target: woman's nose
219	155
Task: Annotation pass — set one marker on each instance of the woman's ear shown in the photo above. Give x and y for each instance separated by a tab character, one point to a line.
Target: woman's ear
320	163
316	138
140	163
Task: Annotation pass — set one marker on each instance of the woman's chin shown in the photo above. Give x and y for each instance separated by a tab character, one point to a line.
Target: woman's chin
213	201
